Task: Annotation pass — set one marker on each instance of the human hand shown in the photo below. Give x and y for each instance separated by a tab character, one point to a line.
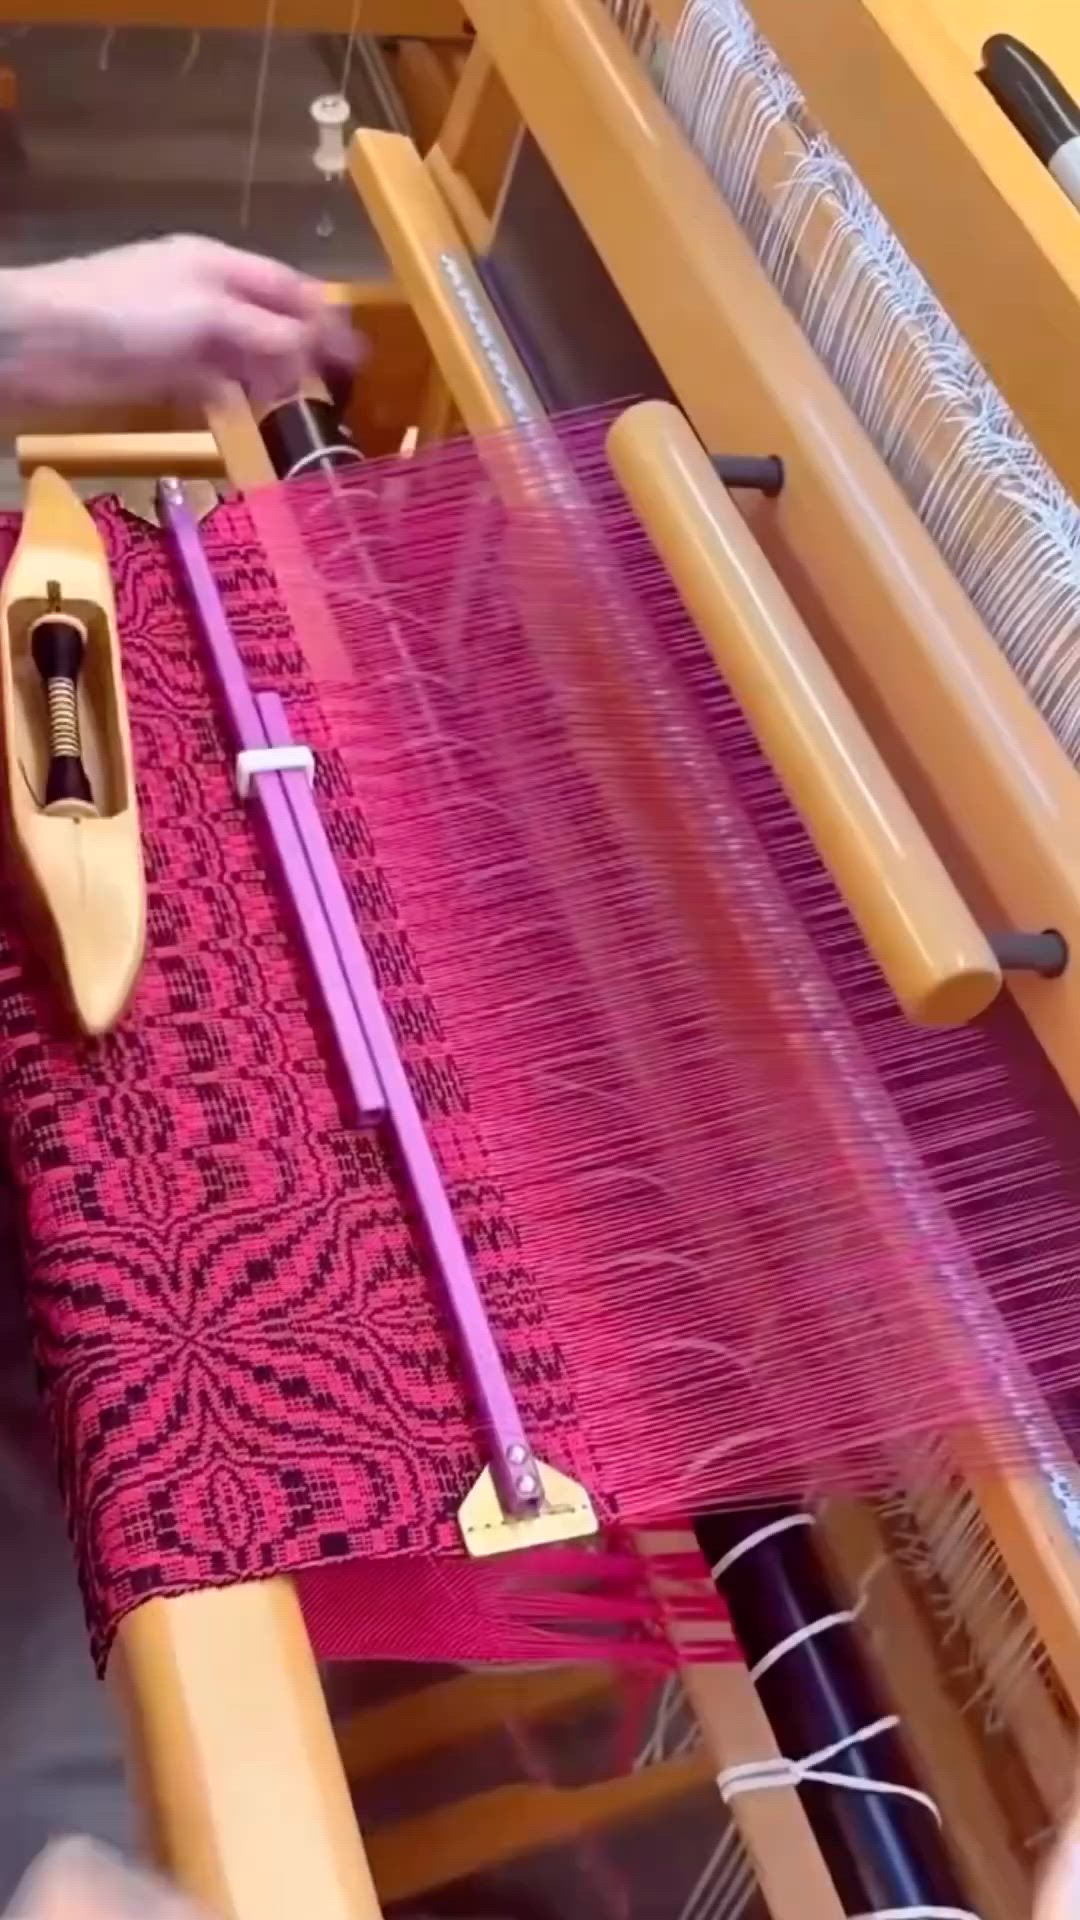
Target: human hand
174	318
78	1880
1058	1895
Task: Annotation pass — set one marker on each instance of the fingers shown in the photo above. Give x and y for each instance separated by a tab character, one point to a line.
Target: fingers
260	293
251	277
77	1880
264	351
267	283
1058	1895
336	344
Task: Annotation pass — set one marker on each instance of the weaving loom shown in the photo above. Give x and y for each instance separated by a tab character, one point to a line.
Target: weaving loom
561	248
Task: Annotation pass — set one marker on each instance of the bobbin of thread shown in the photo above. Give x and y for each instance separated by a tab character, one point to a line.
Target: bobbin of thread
305	433
58	647
331	113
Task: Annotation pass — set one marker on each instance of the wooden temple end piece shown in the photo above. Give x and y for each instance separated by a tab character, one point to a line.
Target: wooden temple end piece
566	1514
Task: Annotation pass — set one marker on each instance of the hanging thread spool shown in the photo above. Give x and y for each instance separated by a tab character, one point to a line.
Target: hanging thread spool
58	647
330	112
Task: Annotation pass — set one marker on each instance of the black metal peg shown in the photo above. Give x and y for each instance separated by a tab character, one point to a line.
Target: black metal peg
749	472
1044	953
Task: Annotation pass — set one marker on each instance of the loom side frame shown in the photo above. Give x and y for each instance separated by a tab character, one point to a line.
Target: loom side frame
235	1766
602	129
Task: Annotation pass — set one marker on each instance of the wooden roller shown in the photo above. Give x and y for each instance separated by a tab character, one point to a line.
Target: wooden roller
935	959
240	1781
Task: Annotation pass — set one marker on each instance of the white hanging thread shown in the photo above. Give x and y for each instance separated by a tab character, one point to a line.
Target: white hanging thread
638	27
674	1731
986	1635
258	108
191	56
1002	520
762	1776
350	48
844	1617
777	1771
331	114
757	1538
919	1913
726	1884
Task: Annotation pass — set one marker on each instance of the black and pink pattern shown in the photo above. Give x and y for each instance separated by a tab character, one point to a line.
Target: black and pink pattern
245	1366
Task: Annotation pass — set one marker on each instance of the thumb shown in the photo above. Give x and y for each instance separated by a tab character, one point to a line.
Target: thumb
1058	1897
79	1880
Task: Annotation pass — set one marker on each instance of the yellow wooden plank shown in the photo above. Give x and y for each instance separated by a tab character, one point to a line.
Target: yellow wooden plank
1051	29
994	234
425	18
236	1767
485	1831
453	1712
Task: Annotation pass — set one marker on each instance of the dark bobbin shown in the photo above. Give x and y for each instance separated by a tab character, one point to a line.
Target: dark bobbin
306	434
58	647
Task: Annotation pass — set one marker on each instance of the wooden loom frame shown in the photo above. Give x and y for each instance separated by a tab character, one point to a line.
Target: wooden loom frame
411	19
205	1779
232	1753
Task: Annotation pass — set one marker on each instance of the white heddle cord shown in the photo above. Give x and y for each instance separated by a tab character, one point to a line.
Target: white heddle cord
318	454
257	112
919	1913
762	1776
756	1539
845	1618
350	47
